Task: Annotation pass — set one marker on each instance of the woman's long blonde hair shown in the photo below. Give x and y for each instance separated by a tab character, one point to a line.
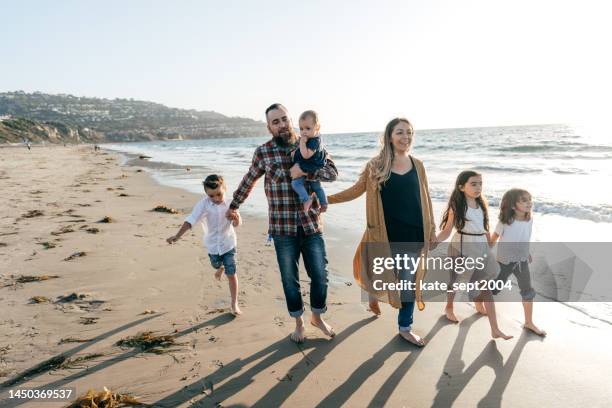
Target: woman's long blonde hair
380	166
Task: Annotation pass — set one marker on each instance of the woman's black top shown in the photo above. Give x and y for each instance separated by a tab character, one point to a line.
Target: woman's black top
401	199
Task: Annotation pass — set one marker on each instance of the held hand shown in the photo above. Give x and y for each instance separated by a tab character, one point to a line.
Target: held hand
296	171
433	242
172	239
231	214
234	218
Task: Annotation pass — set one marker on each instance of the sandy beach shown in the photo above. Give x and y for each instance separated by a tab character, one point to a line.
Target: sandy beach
112	280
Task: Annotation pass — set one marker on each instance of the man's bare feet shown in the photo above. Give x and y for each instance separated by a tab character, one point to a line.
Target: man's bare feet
236	309
498	333
308	204
450	315
320	324
535	329
219	273
298	335
480	308
374	307
412	337
322	208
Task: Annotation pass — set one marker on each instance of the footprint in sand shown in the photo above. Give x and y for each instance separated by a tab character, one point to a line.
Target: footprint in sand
155	291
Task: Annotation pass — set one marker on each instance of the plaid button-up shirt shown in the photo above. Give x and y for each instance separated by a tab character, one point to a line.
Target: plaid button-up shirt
285	211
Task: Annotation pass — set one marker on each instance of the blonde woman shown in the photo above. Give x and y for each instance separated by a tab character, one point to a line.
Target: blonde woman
398	210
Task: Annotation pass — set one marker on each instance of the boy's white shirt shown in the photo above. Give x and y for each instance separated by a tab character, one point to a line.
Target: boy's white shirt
219	236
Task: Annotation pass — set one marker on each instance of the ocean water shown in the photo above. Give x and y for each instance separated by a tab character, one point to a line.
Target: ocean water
567	170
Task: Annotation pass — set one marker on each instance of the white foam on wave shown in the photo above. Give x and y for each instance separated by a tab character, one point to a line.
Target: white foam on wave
571	189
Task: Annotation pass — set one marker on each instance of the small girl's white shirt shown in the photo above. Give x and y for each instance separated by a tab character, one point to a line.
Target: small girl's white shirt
513	244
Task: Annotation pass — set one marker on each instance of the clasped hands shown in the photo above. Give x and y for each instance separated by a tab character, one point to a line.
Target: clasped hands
233	215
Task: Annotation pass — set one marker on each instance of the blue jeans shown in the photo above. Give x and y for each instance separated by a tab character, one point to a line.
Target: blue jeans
404	317
299	186
228	260
407	297
312	248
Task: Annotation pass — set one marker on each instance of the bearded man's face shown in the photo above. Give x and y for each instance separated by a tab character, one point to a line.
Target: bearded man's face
281	128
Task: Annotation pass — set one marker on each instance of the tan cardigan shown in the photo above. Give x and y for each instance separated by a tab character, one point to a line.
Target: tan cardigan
376	231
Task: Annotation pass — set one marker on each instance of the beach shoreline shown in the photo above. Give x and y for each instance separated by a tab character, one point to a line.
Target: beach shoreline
132	281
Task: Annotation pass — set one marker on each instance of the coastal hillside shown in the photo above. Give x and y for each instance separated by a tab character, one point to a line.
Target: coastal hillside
20	129
111	120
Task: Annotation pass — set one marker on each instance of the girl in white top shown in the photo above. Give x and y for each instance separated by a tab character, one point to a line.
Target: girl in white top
467	212
514	233
219	235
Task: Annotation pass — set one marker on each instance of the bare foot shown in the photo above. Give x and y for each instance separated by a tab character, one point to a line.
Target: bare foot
236	309
323	208
413	338
498	333
324	327
450	315
298	335
535	329
308	204
219	273
480	308
374	307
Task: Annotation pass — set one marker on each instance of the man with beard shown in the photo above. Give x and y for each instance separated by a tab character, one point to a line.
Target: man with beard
293	230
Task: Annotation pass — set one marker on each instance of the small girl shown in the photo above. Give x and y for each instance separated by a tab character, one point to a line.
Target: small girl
219	235
310	156
514	232
467	212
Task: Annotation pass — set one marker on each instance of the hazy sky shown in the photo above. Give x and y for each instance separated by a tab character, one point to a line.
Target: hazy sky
359	63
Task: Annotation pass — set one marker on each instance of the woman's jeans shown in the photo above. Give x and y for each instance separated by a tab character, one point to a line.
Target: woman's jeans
407	297
312	248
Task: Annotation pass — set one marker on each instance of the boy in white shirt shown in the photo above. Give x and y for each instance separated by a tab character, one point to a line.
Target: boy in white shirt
219	235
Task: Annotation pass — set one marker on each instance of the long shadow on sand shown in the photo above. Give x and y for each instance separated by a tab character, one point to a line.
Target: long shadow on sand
454	378
369	368
269	356
216	322
41	369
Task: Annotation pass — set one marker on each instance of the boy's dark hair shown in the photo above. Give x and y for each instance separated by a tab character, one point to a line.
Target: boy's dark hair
272	107
310	114
213	181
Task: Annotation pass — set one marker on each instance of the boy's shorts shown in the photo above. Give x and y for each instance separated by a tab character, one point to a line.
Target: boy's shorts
228	260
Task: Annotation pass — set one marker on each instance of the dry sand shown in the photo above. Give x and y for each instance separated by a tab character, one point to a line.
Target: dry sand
219	360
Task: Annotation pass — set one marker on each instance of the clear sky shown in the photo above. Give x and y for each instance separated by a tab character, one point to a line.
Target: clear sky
359	63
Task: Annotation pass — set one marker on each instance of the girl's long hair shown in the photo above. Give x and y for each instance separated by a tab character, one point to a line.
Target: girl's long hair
380	165
509	200
458	203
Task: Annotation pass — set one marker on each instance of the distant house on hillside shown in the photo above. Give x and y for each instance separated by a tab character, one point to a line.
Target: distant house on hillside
5	117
